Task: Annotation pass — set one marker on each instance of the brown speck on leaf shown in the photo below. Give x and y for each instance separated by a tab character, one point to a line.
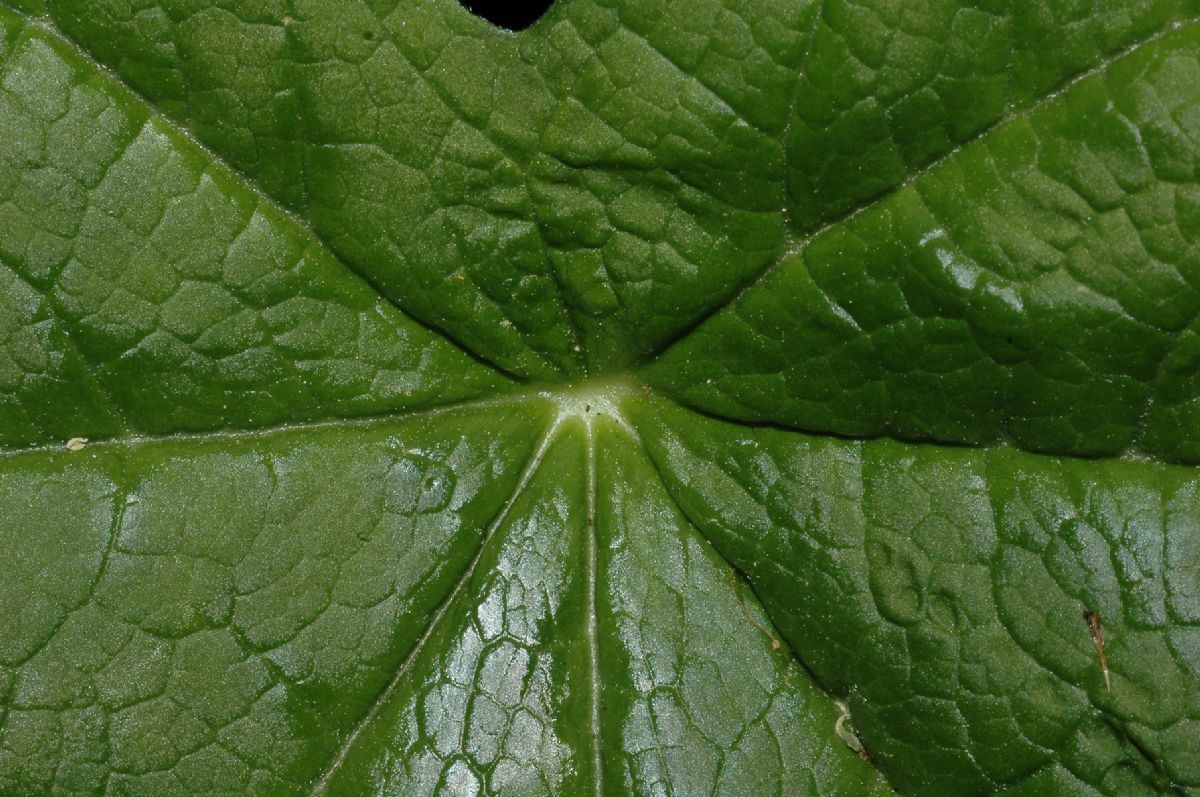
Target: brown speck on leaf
645	390
77	443
1093	621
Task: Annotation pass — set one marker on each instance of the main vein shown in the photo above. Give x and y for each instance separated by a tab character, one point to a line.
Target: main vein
252	186
365	421
795	245
322	784
593	635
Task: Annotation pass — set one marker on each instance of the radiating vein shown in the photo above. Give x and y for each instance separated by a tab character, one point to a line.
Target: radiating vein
246	183
322	784
593	634
796	246
357	422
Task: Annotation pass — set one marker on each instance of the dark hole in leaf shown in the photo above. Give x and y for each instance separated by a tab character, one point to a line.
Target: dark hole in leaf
507	14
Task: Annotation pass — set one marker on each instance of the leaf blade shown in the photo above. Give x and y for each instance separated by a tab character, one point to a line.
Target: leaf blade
194	303
1026	290
235	654
941	592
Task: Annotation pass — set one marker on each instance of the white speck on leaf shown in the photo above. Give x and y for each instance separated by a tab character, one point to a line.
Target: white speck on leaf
931	235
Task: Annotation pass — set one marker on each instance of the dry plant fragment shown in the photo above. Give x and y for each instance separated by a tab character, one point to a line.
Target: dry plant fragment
1093	621
762	629
846	733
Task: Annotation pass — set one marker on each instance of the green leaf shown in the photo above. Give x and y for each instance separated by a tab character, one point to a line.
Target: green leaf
720	397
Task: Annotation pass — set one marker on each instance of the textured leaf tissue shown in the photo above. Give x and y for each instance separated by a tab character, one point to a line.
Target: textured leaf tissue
662	398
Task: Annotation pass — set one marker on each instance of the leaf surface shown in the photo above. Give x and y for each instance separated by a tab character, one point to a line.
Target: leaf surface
722	397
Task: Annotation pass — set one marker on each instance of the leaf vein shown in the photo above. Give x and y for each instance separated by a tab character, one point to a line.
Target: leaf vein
322	784
247	183
797	245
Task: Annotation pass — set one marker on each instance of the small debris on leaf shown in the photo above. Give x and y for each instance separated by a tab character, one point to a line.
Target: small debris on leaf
77	443
762	629
845	731
1093	621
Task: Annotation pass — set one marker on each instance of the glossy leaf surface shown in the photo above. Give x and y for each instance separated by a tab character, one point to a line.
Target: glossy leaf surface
722	397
